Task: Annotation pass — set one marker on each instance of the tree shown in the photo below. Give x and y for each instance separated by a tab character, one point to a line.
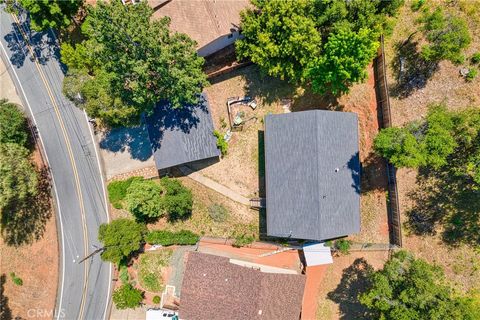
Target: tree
343	62
120	238
55	14
400	147
281	37
144	199
128	62
127	297
13	125
447	35
409	288
177	200
18	177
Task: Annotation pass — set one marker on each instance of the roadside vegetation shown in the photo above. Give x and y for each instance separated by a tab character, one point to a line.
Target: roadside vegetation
127	62
55	14
150	269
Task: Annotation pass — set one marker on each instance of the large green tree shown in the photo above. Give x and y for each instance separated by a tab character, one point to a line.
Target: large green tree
177	199
128	62
127	297
447	36
18	177
13	124
411	289
56	14
281	37
120	238
343	61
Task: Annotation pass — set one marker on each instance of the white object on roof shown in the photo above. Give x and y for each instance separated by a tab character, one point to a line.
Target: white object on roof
317	254
161	314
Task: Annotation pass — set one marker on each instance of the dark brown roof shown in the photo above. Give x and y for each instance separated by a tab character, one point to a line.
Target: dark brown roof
213	288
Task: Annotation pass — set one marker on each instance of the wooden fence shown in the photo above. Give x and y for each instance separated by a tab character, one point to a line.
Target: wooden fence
383	102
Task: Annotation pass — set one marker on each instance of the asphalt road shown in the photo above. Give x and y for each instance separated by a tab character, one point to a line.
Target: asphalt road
84	288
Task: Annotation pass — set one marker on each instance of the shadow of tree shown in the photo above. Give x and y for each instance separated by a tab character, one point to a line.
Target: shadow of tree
5	311
25	223
410	70
134	140
44	44
374	174
449	200
354	282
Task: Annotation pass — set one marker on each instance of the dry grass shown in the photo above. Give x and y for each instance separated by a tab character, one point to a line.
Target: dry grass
151	267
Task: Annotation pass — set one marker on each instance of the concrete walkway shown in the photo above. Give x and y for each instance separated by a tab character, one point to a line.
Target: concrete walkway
209	183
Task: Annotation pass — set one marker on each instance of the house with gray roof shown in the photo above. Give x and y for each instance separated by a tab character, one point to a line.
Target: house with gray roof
312	175
182	135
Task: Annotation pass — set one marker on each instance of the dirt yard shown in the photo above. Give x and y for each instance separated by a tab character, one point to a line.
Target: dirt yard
461	264
36	263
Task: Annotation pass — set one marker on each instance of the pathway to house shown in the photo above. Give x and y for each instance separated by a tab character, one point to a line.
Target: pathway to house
209	183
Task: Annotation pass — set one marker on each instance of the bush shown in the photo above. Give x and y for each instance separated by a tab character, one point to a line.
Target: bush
177	199
472	74
218	213
127	297
16	280
144	199
168	238
123	274
117	191
343	246
417	4
242	240
222	145
476	58
156	299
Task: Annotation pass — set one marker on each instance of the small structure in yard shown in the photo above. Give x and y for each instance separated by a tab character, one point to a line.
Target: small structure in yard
312	173
181	136
214	288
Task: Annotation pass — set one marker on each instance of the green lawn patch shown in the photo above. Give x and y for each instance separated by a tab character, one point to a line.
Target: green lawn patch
150	267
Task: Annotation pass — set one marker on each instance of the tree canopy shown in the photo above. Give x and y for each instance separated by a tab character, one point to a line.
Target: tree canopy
18	177
56	14
127	297
326	42
409	288
13	125
128	62
447	36
120	238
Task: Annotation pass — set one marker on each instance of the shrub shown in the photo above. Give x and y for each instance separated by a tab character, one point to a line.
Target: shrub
117	191
123	274
156	299
16	280
417	4
127	297
177	199
343	245
144	199
476	58
168	238
222	145
242	240
472	74
218	213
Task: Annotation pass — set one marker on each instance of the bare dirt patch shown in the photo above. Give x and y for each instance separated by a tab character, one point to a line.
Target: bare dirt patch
34	259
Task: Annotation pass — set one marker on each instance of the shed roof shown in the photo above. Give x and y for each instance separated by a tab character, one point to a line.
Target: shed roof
181	135
213	288
312	174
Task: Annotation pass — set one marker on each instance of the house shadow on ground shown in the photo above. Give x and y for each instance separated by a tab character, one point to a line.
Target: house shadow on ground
353	283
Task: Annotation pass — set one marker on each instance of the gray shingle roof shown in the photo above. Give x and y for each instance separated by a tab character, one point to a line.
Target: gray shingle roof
312	173
215	289
181	135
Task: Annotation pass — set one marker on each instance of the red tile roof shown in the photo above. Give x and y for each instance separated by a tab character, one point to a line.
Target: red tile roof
213	288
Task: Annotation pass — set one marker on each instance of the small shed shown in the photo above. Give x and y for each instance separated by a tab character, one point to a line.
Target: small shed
182	135
312	174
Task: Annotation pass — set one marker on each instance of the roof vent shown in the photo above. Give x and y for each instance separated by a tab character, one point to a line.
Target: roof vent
337	169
